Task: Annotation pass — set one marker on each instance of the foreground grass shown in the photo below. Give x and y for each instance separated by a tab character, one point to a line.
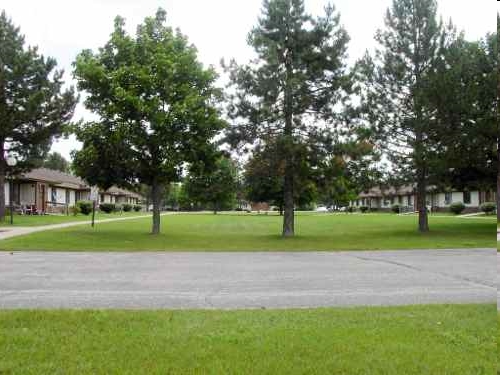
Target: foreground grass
321	232
399	340
36	220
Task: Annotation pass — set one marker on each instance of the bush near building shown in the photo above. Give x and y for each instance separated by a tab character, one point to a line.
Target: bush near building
85	207
127	207
107	207
488	207
457	208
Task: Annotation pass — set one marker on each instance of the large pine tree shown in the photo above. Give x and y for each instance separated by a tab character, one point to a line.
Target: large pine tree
396	91
297	78
34	107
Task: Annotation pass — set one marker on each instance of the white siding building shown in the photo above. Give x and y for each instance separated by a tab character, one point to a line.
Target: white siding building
405	196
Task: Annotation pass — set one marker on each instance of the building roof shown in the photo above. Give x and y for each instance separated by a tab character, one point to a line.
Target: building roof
377	192
57	178
66	180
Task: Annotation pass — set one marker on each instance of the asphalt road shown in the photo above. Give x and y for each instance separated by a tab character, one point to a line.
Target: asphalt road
246	280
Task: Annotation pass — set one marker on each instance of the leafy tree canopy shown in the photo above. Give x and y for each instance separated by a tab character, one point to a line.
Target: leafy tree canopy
156	105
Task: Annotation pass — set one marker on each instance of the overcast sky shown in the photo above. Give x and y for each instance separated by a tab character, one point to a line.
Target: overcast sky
218	28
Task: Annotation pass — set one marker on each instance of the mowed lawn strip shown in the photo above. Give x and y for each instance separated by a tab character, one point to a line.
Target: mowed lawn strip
451	339
37	220
320	232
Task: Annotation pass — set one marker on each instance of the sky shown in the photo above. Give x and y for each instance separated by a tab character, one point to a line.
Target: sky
218	28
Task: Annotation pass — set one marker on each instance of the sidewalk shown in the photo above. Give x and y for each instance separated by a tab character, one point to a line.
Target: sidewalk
9	232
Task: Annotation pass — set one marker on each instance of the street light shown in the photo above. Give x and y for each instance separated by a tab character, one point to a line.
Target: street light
11	162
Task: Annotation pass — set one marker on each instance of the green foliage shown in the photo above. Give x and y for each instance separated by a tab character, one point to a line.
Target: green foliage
34	106
215	187
127	207
364	209
395	92
107	207
74	210
488	207
294	84
396	208
56	161
137	208
85	207
156	105
173	195
466	119
457	208
264	175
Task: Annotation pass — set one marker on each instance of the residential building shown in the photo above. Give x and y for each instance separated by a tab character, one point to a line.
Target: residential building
49	191
436	200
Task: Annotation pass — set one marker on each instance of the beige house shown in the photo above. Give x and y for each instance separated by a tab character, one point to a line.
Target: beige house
48	191
404	196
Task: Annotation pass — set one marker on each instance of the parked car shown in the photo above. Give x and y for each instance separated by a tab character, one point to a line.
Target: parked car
321	209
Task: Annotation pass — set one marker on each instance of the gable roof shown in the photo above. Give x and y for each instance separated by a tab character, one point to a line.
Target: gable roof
66	180
56	178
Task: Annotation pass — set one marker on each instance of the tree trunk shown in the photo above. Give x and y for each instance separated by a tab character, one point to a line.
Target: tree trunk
498	177
215	208
2	185
423	222
288	217
157	193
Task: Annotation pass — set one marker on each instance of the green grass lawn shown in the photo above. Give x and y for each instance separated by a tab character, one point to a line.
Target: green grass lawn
207	232
36	220
453	339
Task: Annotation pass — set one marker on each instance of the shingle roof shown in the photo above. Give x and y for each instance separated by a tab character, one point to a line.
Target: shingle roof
67	180
55	177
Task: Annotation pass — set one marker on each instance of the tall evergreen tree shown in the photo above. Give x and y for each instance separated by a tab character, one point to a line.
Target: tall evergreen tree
396	91
297	78
34	107
156	105
498	117
463	99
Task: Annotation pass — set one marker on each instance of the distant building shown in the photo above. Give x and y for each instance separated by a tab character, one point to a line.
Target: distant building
405	196
50	191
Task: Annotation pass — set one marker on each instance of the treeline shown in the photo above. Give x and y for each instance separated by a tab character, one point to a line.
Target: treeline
421	108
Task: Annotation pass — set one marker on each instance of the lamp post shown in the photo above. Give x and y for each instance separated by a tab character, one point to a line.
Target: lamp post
11	162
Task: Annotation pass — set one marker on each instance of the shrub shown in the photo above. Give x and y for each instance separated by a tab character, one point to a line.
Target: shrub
107	207
75	210
457	208
364	209
488	207
137	208
395	208
374	209
351	209
127	207
85	207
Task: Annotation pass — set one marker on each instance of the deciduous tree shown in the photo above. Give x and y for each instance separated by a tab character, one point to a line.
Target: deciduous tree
157	108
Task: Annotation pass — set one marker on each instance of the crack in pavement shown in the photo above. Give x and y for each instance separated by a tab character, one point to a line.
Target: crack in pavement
414	268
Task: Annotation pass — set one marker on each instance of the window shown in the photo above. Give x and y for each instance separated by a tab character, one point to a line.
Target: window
467	198
447	198
53	195
392	200
408	200
400	199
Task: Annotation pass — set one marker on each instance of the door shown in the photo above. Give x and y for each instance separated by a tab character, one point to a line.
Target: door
41	199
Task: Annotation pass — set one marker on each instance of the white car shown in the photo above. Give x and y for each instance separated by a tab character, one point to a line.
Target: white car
321	209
